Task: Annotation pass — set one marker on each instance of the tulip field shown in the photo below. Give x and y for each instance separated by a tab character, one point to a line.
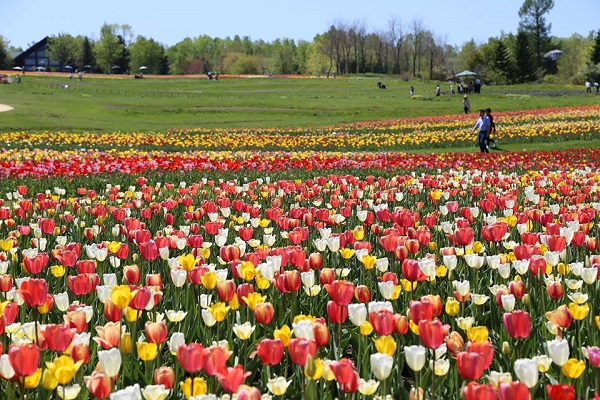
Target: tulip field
319	263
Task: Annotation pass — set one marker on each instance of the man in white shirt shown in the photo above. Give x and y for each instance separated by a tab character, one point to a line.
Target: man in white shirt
588	87
483	125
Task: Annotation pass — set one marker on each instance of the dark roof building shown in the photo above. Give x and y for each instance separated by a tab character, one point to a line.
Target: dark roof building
36	57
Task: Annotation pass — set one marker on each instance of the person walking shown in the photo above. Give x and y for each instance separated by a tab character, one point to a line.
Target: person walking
490	139
466	104
483	125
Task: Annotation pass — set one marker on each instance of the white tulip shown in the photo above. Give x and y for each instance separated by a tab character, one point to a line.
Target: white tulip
526	370
110	362
415	357
381	365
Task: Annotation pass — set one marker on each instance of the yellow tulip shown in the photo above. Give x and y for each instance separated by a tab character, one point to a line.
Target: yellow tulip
6	244
262	283
209	280
478	334
358	233
113	247
199	386
573	368
284	334
219	311
187	261
126	344
441	271
253	299
57	271
579	312
63	368
477	247
452	307
385	345
597	319
32	381
413	327
366	328
147	351
347	253
407	285
313	369
131	314
49	381
247	270
121	296
234	304
205	252
369	261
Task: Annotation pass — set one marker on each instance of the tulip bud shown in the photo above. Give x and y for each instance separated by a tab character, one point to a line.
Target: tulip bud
506	348
126	344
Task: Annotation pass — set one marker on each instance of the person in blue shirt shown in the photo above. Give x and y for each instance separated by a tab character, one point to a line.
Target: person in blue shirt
483	125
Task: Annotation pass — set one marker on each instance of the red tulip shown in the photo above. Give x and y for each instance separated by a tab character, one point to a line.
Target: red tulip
362	294
513	390
470	365
517	288
517	323
34	292
36	264
352	385
232	378
226	290
156	332
556	242
484	349
148	250
288	281
341	292
412	271
561	392
432	333
400	324
263	313
164	376
464	236
382	322
321	332
132	274
6	283
555	290
80	352
477	391
337	314
47	225
216	360
343	369
58	337
99	385
270	351
191	357
140	299
24	359
300	348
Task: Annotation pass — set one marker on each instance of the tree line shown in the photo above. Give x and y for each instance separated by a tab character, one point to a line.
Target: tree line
410	50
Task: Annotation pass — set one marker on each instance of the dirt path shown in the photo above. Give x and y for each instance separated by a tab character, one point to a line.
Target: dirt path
4	107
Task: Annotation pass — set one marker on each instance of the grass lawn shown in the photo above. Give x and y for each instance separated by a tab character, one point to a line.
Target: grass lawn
102	104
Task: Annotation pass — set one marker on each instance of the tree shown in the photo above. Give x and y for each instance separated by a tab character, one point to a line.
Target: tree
502	62
595	53
87	54
111	48
534	25
147	53
525	68
64	49
164	62
4	56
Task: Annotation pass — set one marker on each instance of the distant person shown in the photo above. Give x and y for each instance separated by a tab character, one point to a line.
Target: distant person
466	104
492	132
80	75
597	86
588	87
438	91
483	126
71	76
477	87
412	90
451	89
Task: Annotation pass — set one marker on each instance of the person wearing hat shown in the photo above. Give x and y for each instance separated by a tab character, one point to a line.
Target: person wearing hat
466	104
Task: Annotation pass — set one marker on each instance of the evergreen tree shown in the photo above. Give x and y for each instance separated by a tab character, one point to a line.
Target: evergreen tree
534	25
87	54
4	56
164	62
595	55
123	57
525	67
502	61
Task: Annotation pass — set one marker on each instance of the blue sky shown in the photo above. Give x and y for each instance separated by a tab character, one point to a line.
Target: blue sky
23	22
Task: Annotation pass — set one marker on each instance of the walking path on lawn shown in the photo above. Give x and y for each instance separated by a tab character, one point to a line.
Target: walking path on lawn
4	107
